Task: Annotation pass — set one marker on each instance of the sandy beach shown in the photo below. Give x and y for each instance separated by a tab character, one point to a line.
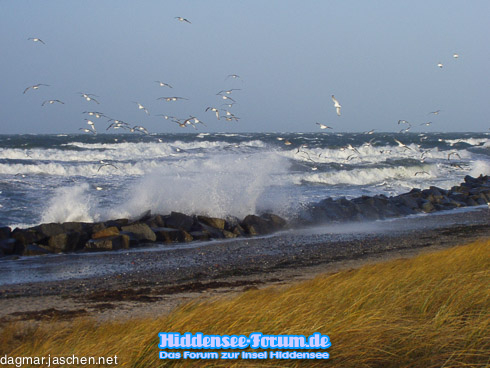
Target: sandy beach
155	280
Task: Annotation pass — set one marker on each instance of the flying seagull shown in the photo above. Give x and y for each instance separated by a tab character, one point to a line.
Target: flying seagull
106	164
228	92
183	19
52	102
323	126
88	98
35	39
94	113
336	104
234	76
440	65
172	98
213	109
88	130
36	86
434	112
455	55
400	144
162	84
227	98
141	107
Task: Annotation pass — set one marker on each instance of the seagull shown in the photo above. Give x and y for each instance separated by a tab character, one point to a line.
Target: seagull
196	121
227	98
88	98
228	92
35	39
172	98
52	102
141	107
421	172
91	123
94	113
323	126
166	117
440	65
400	144
287	143
106	164
336	104
234	76
370	132
350	147
455	55
162	84
139	128
427	124
213	109
434	112
36	86
403	122
118	124
88	130
183	19
406	129
453	153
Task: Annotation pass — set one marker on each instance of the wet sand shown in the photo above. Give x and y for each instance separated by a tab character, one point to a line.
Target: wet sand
149	281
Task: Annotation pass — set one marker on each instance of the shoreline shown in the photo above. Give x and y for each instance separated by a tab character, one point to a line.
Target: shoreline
156	281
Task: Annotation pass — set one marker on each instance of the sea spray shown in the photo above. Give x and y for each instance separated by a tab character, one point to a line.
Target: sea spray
216	186
73	203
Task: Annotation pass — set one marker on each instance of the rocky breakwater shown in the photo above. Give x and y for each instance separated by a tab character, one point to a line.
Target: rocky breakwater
125	233
472	192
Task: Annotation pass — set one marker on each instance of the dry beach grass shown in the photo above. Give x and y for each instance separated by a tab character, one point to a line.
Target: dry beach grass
428	311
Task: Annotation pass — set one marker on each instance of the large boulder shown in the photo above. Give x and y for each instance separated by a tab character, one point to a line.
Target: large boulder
169	235
36	250
140	231
7	246
109	243
5	232
177	220
255	225
215	222
109	231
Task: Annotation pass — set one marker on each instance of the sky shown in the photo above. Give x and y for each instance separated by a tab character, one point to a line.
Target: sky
379	59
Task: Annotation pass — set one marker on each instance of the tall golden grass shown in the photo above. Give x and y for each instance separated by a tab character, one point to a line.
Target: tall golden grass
428	311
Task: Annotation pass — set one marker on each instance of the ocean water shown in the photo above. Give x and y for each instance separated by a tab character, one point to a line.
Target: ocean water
57	178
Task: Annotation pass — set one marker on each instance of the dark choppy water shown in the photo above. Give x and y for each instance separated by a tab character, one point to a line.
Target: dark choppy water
45	178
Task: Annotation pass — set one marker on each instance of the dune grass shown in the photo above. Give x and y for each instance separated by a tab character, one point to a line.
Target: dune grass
428	311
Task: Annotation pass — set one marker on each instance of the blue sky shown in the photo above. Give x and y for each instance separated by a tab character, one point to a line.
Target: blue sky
379	58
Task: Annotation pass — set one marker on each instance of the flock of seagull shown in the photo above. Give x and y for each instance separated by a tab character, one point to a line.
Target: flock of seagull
219	111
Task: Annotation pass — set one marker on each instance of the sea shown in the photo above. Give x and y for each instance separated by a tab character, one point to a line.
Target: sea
74	177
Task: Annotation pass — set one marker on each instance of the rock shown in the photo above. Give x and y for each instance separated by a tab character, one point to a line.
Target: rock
471	202
177	220
117	223
199	235
27	236
109	243
170	235
65	242
156	221
98	227
228	234
427	206
255	225
5	232
109	231
238	230
51	229
7	246
76	227
217	223
276	221
35	250
140	231
212	231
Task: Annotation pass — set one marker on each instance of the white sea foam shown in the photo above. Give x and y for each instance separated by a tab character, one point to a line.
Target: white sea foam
225	185
74	203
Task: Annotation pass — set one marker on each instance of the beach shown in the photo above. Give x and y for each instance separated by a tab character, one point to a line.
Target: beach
134	284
